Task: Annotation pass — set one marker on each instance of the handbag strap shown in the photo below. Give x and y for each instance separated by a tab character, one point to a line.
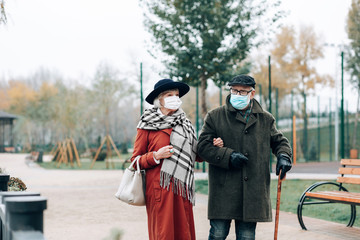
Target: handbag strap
137	164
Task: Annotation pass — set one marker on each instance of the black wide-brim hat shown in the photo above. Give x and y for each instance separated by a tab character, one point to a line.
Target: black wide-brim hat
167	84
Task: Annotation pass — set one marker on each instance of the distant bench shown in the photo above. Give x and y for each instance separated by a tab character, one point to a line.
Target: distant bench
9	149
348	170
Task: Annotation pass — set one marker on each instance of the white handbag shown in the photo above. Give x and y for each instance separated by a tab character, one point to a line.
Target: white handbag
132	185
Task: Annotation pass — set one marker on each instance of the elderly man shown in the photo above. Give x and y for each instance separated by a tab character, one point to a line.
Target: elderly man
236	140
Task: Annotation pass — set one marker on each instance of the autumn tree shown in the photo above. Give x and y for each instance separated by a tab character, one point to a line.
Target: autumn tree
76	113
51	108
42	111
21	97
4	98
206	39
353	54
67	113
293	59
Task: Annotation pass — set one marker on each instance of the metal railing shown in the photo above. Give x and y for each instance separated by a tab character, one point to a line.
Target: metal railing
21	213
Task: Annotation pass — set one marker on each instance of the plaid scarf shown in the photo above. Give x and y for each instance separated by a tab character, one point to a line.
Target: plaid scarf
179	168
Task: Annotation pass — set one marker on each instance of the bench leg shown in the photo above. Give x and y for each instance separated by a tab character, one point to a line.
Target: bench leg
299	211
353	216
312	187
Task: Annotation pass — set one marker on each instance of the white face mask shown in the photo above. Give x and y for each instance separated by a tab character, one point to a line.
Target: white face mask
172	102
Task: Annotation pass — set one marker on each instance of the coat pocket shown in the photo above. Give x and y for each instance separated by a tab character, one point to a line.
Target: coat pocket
157	192
219	174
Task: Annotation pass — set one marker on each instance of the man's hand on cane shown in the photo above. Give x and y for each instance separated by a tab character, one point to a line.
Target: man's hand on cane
283	164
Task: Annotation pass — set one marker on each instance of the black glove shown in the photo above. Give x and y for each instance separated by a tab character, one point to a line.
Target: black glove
237	160
283	164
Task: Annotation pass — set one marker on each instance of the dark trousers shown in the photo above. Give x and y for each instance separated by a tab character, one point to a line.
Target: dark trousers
219	229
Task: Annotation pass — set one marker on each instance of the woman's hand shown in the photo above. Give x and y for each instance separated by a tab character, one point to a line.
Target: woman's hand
218	142
164	152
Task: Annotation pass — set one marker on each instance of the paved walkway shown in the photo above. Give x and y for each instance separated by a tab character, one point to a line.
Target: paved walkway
82	206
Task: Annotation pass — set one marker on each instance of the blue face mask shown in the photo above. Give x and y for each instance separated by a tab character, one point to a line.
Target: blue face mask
239	102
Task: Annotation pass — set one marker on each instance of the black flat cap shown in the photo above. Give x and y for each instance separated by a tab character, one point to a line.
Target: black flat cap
242	80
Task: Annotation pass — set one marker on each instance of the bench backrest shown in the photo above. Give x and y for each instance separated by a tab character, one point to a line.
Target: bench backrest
350	167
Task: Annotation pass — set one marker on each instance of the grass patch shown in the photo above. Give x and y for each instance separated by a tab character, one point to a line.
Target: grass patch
113	163
291	190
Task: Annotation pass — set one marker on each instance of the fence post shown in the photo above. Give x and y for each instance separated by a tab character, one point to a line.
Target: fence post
4	180
24	214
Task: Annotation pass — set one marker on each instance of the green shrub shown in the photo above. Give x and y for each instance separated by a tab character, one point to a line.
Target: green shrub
14	184
101	156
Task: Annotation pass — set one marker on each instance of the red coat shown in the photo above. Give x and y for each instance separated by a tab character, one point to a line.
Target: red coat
170	216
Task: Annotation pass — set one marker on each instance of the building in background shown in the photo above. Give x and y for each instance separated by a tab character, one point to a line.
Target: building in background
6	132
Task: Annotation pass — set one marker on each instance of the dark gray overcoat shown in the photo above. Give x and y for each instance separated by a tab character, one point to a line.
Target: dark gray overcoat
242	194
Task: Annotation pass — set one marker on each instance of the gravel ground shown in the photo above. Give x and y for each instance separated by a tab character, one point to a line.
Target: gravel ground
82	206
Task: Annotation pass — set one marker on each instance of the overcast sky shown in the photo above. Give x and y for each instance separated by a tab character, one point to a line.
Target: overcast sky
74	36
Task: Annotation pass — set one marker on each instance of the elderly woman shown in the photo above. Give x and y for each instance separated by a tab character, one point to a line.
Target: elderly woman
167	145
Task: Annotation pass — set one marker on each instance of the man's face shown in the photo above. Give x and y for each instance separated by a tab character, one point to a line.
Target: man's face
243	90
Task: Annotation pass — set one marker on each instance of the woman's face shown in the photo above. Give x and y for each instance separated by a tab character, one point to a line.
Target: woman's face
168	93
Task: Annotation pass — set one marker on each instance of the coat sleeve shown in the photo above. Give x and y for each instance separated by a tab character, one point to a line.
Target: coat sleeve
218	156
141	148
198	159
279	143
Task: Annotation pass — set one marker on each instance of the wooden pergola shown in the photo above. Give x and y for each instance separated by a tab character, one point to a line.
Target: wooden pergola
6	131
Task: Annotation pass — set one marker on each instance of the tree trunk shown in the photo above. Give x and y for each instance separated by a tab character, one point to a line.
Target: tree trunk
86	143
203	96
107	121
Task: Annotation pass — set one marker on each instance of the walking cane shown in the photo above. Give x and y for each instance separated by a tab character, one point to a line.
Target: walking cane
278	206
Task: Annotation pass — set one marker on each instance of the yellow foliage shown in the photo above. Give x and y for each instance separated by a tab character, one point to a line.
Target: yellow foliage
47	91
20	96
4	99
292	61
353	20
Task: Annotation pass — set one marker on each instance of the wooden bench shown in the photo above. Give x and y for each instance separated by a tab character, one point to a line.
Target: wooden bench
349	169
9	149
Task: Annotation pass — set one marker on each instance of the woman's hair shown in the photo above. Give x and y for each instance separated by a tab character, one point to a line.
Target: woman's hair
157	102
157	99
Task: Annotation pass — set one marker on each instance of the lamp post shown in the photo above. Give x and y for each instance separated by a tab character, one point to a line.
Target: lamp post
141	91
342	133
342	139
197	118
271	156
260	93
269	84
220	94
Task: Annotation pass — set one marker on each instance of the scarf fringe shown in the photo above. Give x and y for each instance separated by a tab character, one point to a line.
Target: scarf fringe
179	187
